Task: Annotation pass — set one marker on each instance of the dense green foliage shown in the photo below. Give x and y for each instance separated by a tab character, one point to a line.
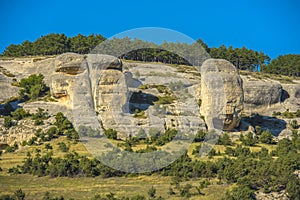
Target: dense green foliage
8	122
53	44
249	139
242	58
173	53
285	65
250	171
111	133
32	87
20	195
71	165
65	127
266	137
163	138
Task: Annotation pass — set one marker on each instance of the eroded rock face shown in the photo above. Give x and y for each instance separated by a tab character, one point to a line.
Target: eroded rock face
67	66
7	90
260	94
70	63
291	96
103	62
96	88
221	94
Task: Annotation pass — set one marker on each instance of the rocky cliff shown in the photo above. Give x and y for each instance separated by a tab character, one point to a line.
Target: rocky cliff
132	97
221	94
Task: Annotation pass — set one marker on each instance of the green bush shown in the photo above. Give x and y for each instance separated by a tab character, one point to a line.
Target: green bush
164	138
38	122
225	140
165	99
200	136
8	122
32	87
63	147
240	192
12	148
294	124
19	114
62	123
111	134
249	139
40	114
287	114
266	137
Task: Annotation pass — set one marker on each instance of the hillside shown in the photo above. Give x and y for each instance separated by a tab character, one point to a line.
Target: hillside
140	107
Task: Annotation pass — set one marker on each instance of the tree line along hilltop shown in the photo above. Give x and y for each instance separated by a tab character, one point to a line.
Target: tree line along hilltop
243	58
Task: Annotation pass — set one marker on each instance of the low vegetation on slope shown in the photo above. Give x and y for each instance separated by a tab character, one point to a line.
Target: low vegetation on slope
244	166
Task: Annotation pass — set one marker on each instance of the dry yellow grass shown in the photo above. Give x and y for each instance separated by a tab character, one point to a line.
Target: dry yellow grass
87	187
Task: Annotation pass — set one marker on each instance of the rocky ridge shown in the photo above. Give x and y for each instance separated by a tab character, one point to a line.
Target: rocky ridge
102	88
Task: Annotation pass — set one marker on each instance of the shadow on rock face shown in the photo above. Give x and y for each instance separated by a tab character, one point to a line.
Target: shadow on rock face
285	95
275	125
141	101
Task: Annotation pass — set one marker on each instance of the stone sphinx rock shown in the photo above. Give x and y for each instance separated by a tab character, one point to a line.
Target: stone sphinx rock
221	94
67	66
106	77
108	88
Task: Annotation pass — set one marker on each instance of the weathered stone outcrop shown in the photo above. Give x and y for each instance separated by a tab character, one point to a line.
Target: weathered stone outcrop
24	131
70	63
291	96
103	62
106	77
260	95
6	89
95	88
66	66
221	94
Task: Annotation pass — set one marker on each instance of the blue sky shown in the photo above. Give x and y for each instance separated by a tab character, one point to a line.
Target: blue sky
269	26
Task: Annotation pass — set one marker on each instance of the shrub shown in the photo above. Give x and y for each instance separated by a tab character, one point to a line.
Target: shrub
249	139
8	122
63	147
165	137
258	130
165	99
200	136
12	148
111	134
32	87
225	140
152	193
287	114
294	124
240	192
19	114
38	122
266	137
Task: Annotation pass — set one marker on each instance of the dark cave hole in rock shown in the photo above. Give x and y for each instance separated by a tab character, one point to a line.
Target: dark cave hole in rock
141	101
285	95
275	125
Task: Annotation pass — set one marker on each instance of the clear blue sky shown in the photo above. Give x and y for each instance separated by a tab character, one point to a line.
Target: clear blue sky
272	26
